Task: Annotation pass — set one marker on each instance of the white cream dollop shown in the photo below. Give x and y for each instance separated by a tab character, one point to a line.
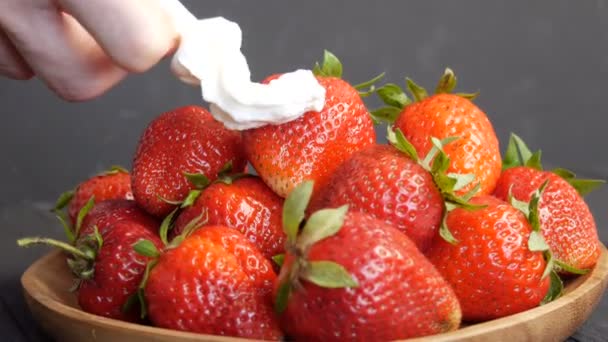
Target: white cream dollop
210	54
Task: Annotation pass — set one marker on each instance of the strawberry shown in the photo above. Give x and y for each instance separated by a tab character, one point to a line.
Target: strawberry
105	214
493	268
348	276
567	223
444	115
388	185
313	145
112	184
177	144
247	205
393	184
215	282
107	269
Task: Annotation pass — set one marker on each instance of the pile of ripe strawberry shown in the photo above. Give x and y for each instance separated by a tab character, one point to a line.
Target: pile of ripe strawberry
339	237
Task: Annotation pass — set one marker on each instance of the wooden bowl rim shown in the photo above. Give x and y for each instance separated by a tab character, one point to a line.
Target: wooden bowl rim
597	277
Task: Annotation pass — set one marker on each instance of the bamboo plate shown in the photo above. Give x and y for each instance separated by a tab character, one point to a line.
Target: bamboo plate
46	283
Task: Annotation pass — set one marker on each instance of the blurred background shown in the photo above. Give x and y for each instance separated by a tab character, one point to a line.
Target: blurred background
541	68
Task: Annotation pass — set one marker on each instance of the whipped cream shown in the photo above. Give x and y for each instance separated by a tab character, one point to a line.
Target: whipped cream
210	54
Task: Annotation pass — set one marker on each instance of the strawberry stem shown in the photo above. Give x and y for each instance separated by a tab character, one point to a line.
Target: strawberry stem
27	242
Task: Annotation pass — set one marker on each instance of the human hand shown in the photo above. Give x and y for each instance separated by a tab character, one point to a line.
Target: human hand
81	48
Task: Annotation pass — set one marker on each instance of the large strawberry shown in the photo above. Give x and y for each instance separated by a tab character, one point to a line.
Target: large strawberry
567	223
395	185
112	184
312	146
176	144
349	276
496	268
444	115
215	282
390	186
244	203
107	269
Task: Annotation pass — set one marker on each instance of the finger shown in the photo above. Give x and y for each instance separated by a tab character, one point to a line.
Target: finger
60	51
135	33
11	63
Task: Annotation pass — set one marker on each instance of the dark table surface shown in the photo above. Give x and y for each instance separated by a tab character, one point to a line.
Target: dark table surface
16	323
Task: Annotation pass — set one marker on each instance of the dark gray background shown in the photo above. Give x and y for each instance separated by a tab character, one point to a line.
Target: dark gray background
541	68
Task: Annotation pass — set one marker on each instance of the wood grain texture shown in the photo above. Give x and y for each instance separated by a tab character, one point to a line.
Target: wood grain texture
46	284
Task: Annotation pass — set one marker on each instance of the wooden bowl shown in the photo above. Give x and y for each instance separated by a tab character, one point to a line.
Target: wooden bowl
46	283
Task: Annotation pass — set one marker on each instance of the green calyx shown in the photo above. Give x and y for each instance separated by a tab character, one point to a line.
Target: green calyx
82	253
332	67
396	99
148	249
518	154
114	169
537	243
301	236
437	163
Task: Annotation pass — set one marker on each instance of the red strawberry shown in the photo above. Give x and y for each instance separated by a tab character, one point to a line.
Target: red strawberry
312	146
565	219
245	204
105	214
352	277
118	271
112	184
491	268
445	115
390	186
109	271
215	282
567	223
184	141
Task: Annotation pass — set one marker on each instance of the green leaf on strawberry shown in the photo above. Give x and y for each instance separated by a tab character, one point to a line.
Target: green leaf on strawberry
385	114
556	288
418	92
114	169
279	259
367	88
518	154
328	274
322	224
166	226
437	163
392	95
82	213
146	248
63	200
447	82
199	180
331	66
398	140
583	186
294	209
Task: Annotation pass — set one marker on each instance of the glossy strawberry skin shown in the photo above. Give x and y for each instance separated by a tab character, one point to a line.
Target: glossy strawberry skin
491	269
566	221
447	115
104	187
214	282
386	184
399	293
312	146
107	213
186	139
118	271
248	205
